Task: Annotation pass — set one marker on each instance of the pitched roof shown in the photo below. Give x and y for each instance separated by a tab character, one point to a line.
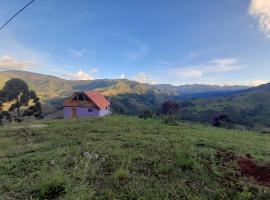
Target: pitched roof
98	99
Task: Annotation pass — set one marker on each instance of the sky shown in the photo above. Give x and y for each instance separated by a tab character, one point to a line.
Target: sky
221	42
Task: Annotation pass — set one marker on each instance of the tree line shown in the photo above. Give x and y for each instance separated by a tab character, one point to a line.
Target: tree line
172	111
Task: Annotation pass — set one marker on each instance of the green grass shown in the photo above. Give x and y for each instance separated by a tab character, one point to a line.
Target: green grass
120	157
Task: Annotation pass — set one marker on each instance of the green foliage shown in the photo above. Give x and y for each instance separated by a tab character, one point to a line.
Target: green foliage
170	119
121	174
50	187
170	108
250	108
14	88
134	159
222	121
146	114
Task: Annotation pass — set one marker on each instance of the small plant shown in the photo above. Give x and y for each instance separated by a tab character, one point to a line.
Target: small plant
184	159
245	195
121	174
51	187
170	120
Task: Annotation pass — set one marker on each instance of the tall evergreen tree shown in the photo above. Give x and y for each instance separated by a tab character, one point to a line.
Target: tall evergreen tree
18	91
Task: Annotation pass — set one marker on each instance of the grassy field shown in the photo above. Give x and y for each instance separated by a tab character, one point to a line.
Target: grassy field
120	157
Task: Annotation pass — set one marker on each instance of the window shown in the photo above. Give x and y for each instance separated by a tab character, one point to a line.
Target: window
90	110
80	97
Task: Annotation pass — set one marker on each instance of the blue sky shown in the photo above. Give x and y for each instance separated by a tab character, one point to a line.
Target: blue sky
154	41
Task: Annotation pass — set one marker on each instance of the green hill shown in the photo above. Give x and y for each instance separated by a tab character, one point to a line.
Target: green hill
251	107
46	86
121	157
50	86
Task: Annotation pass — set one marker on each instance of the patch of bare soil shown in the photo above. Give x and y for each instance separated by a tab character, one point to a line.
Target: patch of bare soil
225	157
249	168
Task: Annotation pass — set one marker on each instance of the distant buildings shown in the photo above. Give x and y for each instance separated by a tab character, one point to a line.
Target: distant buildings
86	104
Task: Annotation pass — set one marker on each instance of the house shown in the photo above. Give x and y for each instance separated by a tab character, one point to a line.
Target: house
86	104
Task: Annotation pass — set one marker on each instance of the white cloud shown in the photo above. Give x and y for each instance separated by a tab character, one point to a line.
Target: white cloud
214	66
261	10
143	78
251	83
224	61
79	75
141	49
123	76
10	63
93	70
78	53
257	82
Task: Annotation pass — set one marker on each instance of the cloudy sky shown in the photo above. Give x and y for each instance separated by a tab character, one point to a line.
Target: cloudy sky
155	41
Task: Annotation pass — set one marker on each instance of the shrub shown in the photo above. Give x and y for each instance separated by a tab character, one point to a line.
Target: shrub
184	159
222	121
51	187
121	174
170	108
146	114
170	120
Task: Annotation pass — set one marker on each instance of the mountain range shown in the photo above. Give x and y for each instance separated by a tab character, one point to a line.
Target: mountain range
51	86
244	105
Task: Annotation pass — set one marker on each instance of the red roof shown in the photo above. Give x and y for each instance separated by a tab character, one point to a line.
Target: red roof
97	99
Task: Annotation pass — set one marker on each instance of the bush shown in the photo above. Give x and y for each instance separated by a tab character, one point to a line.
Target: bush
121	174
5	114
170	120
51	187
170	108
146	114
222	121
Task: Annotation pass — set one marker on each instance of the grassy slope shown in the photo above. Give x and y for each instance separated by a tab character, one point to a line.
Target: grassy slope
50	86
45	86
138	159
251	108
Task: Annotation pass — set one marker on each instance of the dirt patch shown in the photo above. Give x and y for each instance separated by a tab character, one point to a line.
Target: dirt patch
249	168
225	158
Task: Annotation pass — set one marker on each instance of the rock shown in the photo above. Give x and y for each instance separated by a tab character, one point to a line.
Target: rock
90	156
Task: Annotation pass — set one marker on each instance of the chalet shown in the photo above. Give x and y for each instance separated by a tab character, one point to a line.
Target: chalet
86	104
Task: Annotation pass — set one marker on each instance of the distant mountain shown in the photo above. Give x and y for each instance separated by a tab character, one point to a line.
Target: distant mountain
51	86
196	88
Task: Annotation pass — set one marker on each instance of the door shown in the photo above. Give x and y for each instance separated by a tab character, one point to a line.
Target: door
74	113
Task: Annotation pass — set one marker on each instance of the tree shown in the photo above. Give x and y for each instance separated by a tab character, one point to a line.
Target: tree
221	121
35	110
17	90
170	108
